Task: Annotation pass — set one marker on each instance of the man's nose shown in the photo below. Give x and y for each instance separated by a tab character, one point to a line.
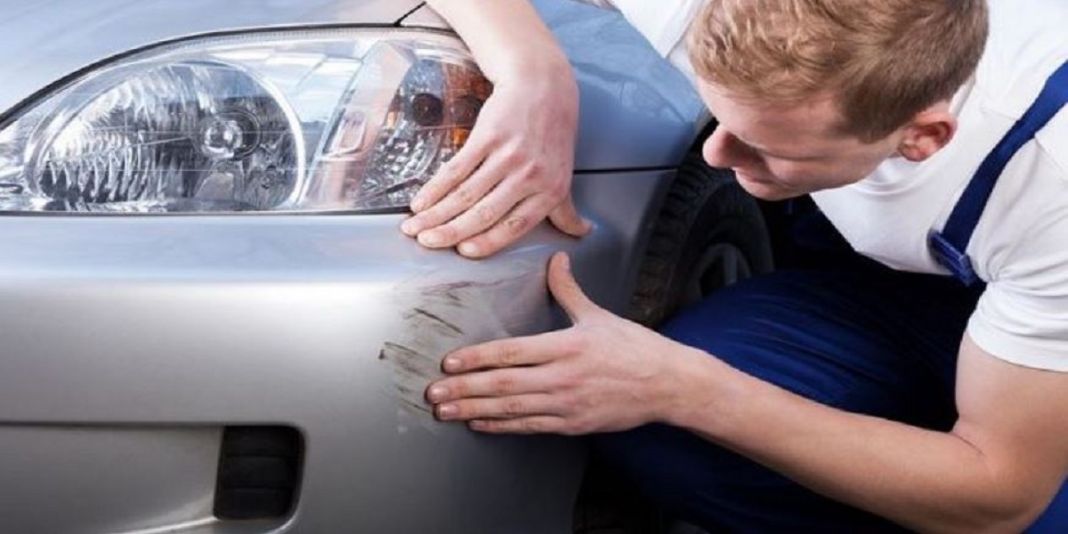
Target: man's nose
723	150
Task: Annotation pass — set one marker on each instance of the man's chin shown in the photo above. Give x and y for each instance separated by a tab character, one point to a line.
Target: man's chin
764	190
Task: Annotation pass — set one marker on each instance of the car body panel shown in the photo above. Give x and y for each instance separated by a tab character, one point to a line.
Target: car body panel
195	322
132	337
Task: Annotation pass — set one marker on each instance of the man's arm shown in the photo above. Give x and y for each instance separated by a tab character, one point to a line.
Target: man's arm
995	471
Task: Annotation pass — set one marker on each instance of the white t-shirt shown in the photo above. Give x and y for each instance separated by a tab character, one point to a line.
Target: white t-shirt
1020	247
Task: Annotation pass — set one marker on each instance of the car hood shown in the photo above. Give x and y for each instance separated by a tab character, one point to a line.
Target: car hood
44	40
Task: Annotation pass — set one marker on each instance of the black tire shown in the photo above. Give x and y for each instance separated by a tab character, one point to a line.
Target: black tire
709	233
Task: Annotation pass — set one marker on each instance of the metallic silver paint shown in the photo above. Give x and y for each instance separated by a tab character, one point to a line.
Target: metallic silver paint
152	324
201	321
105	479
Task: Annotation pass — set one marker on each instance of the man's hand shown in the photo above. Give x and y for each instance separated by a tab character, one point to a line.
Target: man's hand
603	374
513	172
516	167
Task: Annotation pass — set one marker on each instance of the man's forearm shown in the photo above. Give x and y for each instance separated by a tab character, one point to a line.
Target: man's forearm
931	481
503	35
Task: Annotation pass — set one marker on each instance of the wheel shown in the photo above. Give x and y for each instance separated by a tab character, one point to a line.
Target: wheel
709	234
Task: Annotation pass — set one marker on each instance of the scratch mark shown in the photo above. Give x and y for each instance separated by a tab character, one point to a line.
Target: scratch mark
451	327
407	359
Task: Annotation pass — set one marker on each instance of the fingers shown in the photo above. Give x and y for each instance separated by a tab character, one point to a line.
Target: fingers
498	408
542	424
477	218
512	352
566	219
453	172
495	383
525	216
566	290
427	223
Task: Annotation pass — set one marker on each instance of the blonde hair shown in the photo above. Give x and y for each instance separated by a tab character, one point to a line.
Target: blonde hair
884	60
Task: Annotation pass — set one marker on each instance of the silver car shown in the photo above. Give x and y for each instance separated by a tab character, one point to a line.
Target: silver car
209	320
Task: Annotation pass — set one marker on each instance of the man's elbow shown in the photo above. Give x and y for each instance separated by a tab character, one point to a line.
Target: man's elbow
993	516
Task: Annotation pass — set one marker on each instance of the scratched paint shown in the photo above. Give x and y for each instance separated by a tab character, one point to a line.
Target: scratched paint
440	316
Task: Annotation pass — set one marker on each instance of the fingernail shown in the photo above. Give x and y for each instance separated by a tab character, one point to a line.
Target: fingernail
468	249
451	364
409	227
437	393
418	204
446	411
429	239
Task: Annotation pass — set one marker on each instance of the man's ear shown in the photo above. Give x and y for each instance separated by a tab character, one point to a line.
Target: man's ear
929	131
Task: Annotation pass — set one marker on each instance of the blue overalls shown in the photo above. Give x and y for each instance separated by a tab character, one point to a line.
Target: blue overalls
840	329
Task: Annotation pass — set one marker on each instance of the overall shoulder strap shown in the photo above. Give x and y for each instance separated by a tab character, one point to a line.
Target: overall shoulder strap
949	245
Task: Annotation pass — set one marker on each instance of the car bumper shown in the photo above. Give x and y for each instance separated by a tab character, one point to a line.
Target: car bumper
130	342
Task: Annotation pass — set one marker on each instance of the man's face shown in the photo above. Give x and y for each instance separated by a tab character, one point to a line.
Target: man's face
781	152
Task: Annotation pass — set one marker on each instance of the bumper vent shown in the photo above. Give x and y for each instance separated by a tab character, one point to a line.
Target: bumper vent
259	471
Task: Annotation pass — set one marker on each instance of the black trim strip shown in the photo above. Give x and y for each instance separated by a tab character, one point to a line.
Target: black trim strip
625	170
400	21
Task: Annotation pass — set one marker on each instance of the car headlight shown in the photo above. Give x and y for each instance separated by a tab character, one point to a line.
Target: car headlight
284	121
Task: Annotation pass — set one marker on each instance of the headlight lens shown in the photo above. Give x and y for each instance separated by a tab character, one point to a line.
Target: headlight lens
298	121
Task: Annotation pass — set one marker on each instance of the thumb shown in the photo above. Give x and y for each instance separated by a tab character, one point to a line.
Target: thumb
566	290
566	218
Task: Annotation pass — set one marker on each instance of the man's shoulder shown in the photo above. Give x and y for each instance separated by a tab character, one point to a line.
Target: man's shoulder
1027	43
1053	141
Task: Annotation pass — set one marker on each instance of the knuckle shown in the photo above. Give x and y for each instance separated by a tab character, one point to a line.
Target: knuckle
569	402
532	425
514	407
485	214
527	172
570	382
517	155
536	169
559	191
517	224
575	345
466	196
508	357
502	385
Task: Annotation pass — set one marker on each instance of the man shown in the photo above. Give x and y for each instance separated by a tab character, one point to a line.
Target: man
858	395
